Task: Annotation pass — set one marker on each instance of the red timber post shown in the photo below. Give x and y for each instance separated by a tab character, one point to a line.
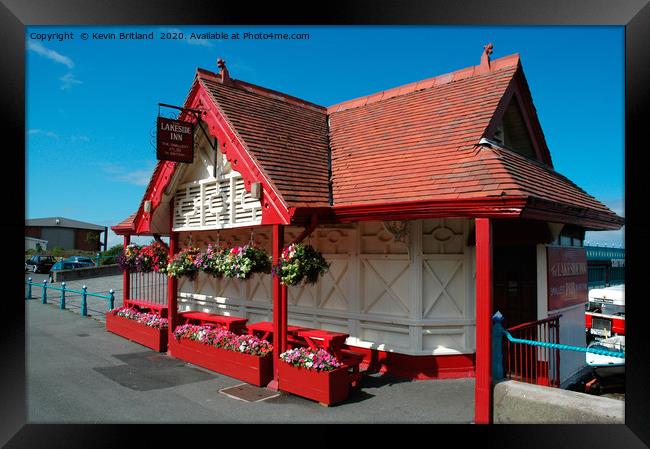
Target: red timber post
483	386
278	312
126	280
172	282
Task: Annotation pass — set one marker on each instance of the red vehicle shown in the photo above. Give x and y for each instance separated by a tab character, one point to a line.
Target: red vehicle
605	312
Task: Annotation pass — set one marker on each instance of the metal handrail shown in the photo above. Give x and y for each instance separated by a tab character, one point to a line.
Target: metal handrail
84	294
498	332
619	354
530	323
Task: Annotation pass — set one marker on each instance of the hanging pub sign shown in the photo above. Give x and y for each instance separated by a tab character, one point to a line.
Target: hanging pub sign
567	277
174	140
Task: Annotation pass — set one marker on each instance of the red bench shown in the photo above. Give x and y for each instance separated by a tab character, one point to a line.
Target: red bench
232	323
146	306
333	342
264	330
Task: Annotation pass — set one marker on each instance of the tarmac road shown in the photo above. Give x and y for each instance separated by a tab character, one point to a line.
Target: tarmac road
79	373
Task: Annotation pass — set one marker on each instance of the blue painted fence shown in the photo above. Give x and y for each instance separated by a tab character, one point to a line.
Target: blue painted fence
83	292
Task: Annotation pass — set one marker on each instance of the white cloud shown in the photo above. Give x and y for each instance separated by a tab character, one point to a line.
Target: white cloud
605	238
79	138
137	177
38	48
51	134
609	238
68	80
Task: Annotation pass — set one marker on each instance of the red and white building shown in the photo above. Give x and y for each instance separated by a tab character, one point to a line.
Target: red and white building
436	203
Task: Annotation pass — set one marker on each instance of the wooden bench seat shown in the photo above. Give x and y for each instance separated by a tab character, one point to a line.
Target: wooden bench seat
351	359
232	323
159	309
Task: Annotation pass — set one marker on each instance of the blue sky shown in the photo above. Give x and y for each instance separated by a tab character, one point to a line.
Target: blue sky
91	104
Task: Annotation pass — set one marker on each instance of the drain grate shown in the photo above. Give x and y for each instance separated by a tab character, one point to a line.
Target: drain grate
83	335
249	393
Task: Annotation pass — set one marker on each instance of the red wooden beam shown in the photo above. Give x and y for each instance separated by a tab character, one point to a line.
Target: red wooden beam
278	244
172	282
483	386
510	207
126	280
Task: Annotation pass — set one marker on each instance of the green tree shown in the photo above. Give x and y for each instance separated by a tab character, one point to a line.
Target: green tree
108	256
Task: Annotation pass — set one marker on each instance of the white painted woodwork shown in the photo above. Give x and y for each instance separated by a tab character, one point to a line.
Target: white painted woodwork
413	297
209	197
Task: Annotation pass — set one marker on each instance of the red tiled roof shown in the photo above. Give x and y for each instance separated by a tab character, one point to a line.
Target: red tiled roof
416	144
285	135
126	224
522	176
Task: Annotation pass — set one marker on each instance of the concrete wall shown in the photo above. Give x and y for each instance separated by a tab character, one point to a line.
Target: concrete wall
522	403
85	273
31	242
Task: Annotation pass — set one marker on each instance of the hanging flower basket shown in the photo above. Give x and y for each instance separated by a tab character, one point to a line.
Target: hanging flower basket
153	257
183	263
243	261
212	261
143	259
315	375
147	329
127	258
244	357
300	263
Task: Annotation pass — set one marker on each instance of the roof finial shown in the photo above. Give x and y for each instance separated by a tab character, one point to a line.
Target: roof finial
485	57
224	71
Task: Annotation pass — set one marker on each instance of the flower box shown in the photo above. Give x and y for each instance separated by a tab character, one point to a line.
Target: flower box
326	387
151	337
252	369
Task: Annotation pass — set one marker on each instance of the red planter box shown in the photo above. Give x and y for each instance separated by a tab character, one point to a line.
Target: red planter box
326	387
249	368
148	336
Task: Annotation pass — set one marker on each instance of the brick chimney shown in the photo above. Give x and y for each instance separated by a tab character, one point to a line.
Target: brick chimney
485	59
225	76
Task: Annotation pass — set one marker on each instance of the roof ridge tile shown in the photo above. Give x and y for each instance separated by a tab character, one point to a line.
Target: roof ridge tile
427	83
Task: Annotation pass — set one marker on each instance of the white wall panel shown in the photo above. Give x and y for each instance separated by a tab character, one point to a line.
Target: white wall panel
414	296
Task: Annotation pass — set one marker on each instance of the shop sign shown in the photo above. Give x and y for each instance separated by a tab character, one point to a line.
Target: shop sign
567	277
174	140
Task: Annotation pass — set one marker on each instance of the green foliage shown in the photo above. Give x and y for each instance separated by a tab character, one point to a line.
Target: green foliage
108	256
300	263
57	251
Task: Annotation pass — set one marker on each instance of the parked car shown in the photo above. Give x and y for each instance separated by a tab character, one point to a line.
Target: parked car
64	265
39	264
83	260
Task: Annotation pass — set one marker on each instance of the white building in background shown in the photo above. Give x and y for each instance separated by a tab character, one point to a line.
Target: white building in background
31	242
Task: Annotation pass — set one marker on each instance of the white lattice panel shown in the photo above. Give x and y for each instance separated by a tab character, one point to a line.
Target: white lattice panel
213	198
385	286
443	287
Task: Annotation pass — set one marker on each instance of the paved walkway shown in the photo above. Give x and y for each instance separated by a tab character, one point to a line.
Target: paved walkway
79	373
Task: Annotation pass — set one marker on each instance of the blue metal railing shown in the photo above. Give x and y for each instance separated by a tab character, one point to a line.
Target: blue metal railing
498	332
83	292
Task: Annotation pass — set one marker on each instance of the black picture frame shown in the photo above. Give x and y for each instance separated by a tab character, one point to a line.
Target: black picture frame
634	15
